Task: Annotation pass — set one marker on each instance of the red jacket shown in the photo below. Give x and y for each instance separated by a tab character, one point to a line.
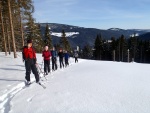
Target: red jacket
29	53
46	55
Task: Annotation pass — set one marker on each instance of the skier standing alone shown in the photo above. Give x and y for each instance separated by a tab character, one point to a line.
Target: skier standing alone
54	59
46	55
76	57
61	56
29	56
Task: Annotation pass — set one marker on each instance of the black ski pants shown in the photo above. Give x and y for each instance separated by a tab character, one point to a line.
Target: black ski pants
61	62
76	59
54	63
46	66
66	62
30	65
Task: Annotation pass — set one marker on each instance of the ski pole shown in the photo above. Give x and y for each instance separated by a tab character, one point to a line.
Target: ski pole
70	61
41	71
42	64
50	65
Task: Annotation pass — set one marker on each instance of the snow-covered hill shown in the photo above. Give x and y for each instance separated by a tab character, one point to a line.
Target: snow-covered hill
80	36
84	87
68	34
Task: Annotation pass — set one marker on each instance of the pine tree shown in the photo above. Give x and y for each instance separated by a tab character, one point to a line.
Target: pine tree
87	52
133	47
2	28
38	41
123	48
15	14
98	47
12	29
113	48
64	43
48	39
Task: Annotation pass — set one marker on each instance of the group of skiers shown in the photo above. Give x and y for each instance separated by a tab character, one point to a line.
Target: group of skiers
29	57
48	55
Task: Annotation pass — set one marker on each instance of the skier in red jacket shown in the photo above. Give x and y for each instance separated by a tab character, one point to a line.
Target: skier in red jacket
47	56
29	56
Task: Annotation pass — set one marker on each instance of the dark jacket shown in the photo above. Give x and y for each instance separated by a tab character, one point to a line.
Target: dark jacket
61	55
66	56
53	54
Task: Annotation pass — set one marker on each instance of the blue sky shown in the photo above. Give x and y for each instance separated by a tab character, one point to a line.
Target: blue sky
102	14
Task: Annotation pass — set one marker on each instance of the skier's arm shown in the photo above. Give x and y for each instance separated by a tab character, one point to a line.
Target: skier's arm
34	56
23	57
50	55
43	54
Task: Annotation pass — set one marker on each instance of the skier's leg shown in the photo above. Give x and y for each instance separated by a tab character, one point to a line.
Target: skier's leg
48	65
68	62
45	66
60	62
55	63
63	63
35	72
28	69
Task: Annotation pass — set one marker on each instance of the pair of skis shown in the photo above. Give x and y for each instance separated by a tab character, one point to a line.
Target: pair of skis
39	72
41	84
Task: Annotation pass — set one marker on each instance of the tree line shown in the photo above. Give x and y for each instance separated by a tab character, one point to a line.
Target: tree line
18	25
121	49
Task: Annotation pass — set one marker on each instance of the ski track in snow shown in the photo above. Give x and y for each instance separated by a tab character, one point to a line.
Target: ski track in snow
91	87
69	93
5	99
31	98
8	94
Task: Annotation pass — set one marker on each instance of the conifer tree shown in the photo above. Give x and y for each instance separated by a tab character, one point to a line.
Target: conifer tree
15	15
48	39
87	52
37	40
97	48
64	43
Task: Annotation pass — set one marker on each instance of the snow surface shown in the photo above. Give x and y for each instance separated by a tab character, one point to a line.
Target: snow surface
68	34
84	87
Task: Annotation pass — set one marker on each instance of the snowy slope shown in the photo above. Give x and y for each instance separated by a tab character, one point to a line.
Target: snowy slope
86	87
68	34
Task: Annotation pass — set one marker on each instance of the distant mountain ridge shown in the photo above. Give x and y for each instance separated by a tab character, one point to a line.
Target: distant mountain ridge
80	36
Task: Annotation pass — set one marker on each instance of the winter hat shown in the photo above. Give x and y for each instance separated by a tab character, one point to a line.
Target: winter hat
29	41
